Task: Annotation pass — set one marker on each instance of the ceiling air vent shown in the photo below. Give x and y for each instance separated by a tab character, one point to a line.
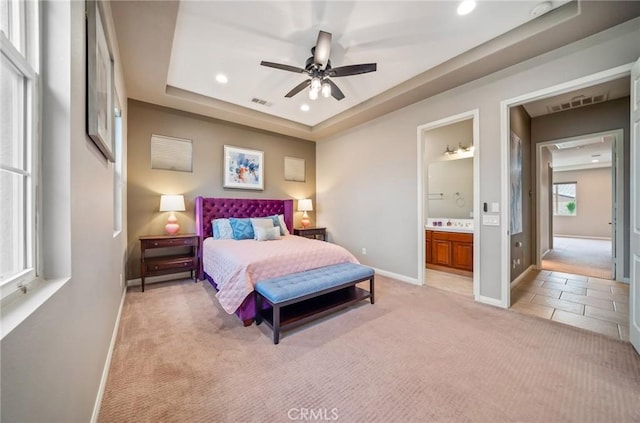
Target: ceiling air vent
261	102
576	102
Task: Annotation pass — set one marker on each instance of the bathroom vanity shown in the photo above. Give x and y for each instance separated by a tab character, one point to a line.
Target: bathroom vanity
449	246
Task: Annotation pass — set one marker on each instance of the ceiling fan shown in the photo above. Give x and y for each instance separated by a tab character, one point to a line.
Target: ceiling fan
319	69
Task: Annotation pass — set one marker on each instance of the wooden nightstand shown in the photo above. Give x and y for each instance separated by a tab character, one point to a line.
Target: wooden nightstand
311	232
167	261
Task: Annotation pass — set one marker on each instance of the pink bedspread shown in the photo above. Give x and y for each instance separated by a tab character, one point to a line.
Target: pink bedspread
236	266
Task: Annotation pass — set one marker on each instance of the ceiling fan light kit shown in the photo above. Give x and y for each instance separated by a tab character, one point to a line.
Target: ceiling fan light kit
319	69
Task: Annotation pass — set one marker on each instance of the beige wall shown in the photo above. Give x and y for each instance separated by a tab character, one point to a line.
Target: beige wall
145	185
376	207
593	204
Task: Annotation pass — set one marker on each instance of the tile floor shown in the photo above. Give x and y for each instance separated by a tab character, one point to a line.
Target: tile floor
451	282
598	305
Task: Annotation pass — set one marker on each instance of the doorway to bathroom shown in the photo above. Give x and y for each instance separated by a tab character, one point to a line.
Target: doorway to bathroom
448	186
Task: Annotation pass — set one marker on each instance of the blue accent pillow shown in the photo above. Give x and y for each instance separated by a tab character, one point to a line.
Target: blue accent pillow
221	229
242	228
276	223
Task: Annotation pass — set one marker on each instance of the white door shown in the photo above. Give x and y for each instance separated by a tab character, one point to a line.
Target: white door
634	298
614	208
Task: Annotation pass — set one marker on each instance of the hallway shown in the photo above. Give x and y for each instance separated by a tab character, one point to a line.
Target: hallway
595	304
580	256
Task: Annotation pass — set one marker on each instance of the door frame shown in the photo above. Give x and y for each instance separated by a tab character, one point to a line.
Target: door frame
505	127
617	198
474	115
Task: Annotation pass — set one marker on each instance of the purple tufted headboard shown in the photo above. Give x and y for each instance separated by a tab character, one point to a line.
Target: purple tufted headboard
208	209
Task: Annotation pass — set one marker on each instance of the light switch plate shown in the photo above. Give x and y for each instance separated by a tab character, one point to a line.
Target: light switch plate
491	220
495	207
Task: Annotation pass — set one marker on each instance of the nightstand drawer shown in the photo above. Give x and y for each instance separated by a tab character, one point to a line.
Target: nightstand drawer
313	233
163	261
172	242
170	264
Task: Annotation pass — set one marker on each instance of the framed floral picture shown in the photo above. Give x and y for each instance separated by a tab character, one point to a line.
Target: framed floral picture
243	168
100	85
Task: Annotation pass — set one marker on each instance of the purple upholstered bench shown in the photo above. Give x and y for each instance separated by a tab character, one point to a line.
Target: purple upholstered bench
300	297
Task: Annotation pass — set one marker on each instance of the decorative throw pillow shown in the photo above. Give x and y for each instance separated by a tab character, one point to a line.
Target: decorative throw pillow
242	228
267	234
283	226
261	223
221	229
276	223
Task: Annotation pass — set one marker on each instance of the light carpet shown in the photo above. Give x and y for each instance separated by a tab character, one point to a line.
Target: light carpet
418	355
580	256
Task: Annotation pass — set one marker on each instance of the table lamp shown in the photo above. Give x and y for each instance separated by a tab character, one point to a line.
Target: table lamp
304	206
172	203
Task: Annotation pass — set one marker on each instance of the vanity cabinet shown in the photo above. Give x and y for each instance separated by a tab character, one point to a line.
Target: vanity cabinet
428	242
449	251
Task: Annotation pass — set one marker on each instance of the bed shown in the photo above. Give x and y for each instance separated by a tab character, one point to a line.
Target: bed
234	266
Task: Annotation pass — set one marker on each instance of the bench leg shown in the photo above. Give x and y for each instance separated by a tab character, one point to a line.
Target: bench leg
258	309
276	324
371	290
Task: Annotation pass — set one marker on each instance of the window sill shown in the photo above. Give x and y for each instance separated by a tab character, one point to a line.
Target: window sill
18	306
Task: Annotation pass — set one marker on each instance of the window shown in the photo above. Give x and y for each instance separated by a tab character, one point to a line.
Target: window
19	101
117	171
564	199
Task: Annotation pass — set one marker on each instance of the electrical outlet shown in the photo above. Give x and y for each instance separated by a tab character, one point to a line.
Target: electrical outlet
364	251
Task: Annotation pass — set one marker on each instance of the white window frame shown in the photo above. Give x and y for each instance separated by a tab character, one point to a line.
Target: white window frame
21	49
118	180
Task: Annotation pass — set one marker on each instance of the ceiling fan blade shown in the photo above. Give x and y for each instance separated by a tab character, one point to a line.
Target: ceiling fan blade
301	86
322	49
352	70
282	67
335	91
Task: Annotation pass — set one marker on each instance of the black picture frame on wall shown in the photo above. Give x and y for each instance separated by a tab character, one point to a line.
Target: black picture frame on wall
100	80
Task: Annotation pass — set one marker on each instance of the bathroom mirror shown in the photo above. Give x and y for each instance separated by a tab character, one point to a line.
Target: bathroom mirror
450	189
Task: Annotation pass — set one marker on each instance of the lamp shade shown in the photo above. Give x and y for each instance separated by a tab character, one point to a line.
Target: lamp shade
305	205
172	203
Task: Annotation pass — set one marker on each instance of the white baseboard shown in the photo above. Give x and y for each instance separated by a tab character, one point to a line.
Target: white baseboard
604	238
521	276
490	301
107	364
161	278
397	276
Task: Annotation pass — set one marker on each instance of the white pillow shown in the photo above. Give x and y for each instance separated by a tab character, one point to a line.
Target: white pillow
261	223
267	234
283	226
221	229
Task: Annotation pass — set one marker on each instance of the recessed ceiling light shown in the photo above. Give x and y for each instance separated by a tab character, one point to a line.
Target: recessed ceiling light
541	8
466	7
304	107
222	78
594	161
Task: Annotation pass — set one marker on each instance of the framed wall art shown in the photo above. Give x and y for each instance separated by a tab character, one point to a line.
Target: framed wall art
100	81
243	168
516	184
